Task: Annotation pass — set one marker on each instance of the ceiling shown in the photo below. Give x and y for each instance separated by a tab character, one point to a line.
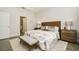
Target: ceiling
36	9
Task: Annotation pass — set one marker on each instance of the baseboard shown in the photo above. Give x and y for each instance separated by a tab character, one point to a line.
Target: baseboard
10	37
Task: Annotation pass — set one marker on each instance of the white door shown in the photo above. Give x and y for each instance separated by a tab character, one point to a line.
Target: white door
4	25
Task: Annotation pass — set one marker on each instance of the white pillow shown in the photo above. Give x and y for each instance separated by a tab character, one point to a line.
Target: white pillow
43	27
56	28
47	27
52	28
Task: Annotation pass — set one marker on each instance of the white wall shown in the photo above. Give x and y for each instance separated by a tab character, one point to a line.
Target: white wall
60	14
4	25
50	13
15	14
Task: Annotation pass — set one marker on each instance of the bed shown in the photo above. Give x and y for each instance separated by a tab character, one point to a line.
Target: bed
45	38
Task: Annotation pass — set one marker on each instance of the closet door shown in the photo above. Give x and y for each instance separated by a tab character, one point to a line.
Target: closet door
4	25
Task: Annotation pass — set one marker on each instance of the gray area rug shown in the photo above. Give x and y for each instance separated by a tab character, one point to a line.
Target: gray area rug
5	45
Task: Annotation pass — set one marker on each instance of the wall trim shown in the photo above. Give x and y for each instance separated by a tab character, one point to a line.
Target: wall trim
10	37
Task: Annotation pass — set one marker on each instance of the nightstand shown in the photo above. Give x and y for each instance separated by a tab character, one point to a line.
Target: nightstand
69	35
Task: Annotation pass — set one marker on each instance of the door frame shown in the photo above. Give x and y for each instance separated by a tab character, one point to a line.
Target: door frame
22	18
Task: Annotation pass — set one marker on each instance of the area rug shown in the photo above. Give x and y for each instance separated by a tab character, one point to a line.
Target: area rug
16	46
5	45
60	46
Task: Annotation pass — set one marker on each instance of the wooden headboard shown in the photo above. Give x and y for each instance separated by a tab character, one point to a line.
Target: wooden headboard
53	23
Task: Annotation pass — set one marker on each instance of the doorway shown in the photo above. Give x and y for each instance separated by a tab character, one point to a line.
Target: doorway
23	25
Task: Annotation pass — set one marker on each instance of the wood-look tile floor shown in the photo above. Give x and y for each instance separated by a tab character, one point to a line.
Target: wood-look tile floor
72	47
6	45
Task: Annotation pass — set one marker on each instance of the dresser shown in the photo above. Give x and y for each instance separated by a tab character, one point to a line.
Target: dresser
69	35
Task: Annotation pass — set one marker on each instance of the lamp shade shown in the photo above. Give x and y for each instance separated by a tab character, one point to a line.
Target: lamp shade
68	24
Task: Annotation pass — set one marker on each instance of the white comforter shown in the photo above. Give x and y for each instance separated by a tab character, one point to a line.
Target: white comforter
45	38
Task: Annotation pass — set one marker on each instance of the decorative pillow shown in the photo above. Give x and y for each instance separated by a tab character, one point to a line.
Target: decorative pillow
56	28
43	27
47	27
52	28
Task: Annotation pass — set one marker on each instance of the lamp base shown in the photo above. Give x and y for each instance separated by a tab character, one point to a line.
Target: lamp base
68	27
